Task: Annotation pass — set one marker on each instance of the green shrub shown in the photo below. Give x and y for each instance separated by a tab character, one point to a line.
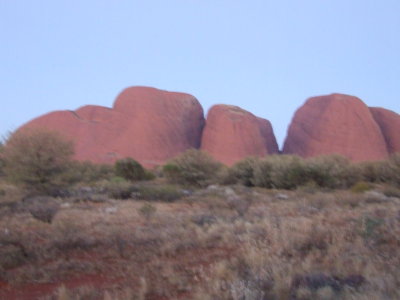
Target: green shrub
120	190
166	193
147	210
193	168
262	173
129	169
372	171
288	172
387	171
117	179
242	172
149	175
88	172
361	187
37	159
172	172
280	171
331	171
42	208
393	166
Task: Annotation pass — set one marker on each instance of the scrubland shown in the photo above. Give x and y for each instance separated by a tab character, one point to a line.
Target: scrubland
278	227
220	242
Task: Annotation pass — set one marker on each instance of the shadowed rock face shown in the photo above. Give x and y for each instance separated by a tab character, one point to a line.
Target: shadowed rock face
232	134
147	124
335	124
389	122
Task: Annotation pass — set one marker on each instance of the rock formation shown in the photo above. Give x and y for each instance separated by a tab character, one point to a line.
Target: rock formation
153	126
232	134
389	122
335	124
147	124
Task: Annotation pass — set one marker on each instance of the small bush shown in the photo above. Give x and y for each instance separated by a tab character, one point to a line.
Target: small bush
242	172
88	172
393	166
121	190
129	169
192	168
147	210
371	171
149	175
42	208
331	171
37	159
280	171
11	256
290	172
361	187
391	191
263	173
166	193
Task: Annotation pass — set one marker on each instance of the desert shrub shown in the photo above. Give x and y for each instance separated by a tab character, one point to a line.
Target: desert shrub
68	235
393	169
167	193
370	226
117	179
280	171
288	171
387	171
371	171
331	171
391	191
147	210
263	173
361	187
149	175
41	208
193	168
240	204
11	256
37	159
241	172
120	190
88	172
129	169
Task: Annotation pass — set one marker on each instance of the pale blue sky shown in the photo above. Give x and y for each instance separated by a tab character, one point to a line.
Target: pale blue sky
265	56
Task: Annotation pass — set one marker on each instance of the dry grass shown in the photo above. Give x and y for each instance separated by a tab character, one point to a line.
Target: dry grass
218	243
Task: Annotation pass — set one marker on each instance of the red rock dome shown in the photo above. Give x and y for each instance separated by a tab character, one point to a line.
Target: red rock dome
335	124
232	134
147	124
389	122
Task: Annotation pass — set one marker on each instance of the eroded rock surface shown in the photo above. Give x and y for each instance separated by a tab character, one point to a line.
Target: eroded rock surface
147	124
389	122
232	134
335	124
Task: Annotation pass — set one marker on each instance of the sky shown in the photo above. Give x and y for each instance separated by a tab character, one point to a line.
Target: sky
265	56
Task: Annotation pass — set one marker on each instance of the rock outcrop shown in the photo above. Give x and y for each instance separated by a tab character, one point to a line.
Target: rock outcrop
335	124
147	124
389	122
153	126
232	134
